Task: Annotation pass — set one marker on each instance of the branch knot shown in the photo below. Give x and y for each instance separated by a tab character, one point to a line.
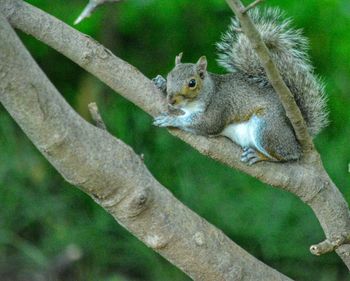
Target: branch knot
139	202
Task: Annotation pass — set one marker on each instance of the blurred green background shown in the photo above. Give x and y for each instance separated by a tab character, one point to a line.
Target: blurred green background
43	218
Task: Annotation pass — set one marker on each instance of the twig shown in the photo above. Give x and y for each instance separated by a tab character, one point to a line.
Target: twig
95	114
90	7
251	6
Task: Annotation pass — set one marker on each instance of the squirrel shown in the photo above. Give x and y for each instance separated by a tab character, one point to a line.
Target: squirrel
242	105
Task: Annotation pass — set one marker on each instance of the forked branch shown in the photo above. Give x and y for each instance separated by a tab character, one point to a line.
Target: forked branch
114	175
308	181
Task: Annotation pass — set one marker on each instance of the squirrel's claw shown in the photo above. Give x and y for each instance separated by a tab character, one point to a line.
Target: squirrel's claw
250	156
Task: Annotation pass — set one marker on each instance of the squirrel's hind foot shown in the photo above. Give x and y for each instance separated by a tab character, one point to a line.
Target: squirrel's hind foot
251	156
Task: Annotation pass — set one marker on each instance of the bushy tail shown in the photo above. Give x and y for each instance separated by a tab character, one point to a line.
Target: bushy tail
288	48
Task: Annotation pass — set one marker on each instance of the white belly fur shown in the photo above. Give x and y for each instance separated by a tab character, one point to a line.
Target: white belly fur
192	107
245	134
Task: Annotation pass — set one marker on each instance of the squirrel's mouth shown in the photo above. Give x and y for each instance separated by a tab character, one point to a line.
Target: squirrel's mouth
180	100
176	99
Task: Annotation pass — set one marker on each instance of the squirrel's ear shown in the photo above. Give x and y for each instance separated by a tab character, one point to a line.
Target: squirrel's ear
201	65
178	58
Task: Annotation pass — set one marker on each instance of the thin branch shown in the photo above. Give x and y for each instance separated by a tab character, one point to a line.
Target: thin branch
95	115
251	6
90	7
114	175
309	182
286	97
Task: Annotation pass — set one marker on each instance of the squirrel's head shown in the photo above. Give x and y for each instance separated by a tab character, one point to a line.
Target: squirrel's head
185	81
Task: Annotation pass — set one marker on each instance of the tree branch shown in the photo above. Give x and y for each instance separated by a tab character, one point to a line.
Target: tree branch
114	176
307	181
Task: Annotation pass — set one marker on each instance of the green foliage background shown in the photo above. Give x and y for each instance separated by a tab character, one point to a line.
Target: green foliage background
40	214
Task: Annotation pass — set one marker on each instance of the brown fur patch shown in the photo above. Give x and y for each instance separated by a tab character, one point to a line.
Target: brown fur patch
274	155
263	157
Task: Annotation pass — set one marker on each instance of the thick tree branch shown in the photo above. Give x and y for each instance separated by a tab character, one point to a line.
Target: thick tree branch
308	181
292	110
114	176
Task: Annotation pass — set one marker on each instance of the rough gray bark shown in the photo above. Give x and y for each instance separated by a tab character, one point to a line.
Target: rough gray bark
114	176
308	180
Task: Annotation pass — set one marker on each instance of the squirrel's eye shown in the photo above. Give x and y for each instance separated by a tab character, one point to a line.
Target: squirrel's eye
192	83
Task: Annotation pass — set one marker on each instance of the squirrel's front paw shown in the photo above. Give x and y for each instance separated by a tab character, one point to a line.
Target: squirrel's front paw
160	82
164	121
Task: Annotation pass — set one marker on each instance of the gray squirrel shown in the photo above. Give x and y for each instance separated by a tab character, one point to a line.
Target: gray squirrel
242	105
